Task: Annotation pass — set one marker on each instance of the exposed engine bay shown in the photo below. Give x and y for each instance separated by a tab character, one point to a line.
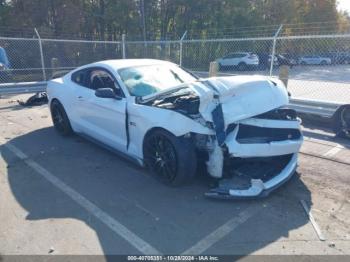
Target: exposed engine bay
185	103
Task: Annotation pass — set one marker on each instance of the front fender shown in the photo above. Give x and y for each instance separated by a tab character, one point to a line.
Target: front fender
143	118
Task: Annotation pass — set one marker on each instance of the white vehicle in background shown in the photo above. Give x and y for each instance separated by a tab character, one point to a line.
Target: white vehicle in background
315	60
240	60
168	120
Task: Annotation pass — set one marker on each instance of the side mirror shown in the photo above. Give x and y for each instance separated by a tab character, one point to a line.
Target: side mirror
106	93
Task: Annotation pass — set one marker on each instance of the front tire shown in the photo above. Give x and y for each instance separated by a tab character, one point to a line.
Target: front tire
171	159
60	119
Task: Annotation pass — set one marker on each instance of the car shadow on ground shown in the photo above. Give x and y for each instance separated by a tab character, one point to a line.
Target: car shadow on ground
170	219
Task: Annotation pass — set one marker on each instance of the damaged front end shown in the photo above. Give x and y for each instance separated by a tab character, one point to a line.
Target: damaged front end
253	155
259	156
255	141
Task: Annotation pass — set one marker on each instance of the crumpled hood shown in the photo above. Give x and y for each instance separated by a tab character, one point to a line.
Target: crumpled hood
241	97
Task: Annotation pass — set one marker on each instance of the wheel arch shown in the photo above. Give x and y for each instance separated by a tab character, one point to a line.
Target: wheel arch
185	154
336	117
149	132
53	100
65	110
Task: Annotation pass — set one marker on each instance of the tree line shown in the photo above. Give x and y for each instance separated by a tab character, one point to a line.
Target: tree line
167	19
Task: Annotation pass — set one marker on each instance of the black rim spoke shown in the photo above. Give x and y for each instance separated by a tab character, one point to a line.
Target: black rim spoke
161	157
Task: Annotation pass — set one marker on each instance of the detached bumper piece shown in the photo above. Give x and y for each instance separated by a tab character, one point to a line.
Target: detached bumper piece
254	177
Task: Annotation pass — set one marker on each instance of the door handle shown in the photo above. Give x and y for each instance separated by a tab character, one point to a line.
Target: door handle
80	98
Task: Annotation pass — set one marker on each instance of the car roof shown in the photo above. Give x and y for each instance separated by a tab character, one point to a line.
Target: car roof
124	63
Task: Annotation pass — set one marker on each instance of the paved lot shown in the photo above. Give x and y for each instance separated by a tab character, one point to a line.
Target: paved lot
69	196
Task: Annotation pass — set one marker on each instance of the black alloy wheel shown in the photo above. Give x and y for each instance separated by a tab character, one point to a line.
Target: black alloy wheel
171	159
162	157
60	119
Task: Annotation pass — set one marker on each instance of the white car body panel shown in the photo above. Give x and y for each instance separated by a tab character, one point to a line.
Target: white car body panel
241	97
274	148
103	119
123	123
144	118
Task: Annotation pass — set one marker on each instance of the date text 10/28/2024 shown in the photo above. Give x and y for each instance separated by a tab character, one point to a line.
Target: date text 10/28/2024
173	258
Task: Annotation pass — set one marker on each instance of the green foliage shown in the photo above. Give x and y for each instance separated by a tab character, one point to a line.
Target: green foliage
163	19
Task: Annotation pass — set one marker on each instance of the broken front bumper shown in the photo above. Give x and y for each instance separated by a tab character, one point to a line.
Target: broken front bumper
258	188
263	155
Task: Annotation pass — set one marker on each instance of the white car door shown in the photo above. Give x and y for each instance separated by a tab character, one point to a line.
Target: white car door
101	118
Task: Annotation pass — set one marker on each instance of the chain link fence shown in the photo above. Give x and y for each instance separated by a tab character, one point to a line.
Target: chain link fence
62	55
318	65
19	60
22	59
321	70
199	53
156	50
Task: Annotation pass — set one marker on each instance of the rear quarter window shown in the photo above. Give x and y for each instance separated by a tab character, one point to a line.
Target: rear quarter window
79	77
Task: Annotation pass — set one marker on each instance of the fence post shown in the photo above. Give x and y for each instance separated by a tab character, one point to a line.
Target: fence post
213	68
284	74
41	54
181	39
274	48
123	46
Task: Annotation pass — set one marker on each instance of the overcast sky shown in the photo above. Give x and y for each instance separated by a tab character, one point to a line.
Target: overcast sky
344	5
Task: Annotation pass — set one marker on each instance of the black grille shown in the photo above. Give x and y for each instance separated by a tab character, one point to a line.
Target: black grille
253	134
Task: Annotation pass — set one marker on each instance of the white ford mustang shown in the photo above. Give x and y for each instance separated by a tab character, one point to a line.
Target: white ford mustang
170	121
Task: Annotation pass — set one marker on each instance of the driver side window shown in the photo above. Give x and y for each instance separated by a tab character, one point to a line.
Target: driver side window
99	78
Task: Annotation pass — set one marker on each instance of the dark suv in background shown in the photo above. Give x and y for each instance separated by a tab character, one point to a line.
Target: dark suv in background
279	59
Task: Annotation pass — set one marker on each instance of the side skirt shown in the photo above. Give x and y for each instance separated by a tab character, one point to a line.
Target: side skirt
135	160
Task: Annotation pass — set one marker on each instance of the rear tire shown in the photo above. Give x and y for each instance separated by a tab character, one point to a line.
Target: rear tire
60	119
171	159
323	63
342	122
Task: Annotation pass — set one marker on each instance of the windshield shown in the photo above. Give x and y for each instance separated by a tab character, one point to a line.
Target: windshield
146	80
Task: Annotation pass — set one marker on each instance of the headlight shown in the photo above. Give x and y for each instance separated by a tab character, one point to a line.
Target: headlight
2	66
